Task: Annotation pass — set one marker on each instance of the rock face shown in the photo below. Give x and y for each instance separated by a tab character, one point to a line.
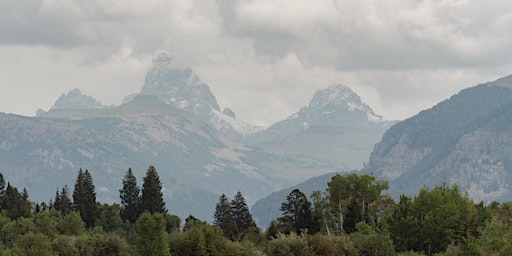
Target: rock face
336	131
182	88
199	150
76	100
195	162
465	140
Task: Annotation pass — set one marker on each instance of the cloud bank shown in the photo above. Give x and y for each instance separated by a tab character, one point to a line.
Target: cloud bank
264	59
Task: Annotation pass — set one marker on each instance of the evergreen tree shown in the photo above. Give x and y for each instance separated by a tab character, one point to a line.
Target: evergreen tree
297	213
79	192
84	198
65	201
223	217
152	197
2	190
241	216
130	198
16	203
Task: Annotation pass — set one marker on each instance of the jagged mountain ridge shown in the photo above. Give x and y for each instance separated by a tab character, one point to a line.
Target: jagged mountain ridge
192	157
336	131
182	88
74	99
465	140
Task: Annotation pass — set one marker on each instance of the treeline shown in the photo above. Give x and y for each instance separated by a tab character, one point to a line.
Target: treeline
351	217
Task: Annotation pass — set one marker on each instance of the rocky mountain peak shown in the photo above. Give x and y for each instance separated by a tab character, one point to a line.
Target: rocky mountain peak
339	101
74	99
178	86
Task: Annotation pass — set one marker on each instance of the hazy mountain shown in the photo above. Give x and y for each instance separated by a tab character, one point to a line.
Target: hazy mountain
182	88
465	140
268	208
176	124
195	162
74	99
336	131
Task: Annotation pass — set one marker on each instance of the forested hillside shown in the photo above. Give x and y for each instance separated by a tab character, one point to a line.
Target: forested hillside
351	216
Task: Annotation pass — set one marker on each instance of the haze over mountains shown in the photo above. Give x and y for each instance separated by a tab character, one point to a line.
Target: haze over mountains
465	140
199	150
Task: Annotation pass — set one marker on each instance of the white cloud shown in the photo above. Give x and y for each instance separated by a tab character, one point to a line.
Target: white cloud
262	58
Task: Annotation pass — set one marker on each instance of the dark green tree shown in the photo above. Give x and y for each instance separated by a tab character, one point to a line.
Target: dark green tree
152	197
62	201
79	192
130	198
15	203
84	198
297	214
223	217
2	189
241	216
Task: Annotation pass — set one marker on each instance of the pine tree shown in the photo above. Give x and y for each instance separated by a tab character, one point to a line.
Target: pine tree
2	190
152	196
241	216
130	198
65	201
79	192
297	213
15	203
84	198
223	217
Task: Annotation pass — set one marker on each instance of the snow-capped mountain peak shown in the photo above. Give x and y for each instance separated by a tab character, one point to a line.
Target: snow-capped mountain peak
182	88
338	98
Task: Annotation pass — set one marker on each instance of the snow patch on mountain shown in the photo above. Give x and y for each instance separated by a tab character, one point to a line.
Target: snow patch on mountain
182	88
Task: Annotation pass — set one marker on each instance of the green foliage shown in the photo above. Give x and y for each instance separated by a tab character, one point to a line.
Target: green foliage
33	244
130	198
84	198
15	203
152	196
151	237
223	217
350	198
287	245
71	224
62	201
297	214
241	216
371	242
109	218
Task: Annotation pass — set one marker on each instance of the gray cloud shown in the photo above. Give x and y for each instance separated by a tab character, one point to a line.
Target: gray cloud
264	58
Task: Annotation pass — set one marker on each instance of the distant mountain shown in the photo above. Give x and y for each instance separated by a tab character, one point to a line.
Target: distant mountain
76	100
176	124
182	88
268	208
195	162
336	131
465	140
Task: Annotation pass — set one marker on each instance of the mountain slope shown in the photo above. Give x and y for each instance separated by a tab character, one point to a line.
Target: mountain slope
191	157
464	140
268	208
182	88
336	131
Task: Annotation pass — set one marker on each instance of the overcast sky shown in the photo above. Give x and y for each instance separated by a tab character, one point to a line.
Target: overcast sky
262	58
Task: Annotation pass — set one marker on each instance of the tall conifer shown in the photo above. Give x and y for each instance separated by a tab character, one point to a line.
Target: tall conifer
152	197
130	198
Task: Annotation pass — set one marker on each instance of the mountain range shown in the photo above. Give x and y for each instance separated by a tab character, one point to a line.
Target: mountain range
199	150
464	140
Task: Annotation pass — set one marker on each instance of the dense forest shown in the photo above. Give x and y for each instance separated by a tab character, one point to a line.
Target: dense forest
353	216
